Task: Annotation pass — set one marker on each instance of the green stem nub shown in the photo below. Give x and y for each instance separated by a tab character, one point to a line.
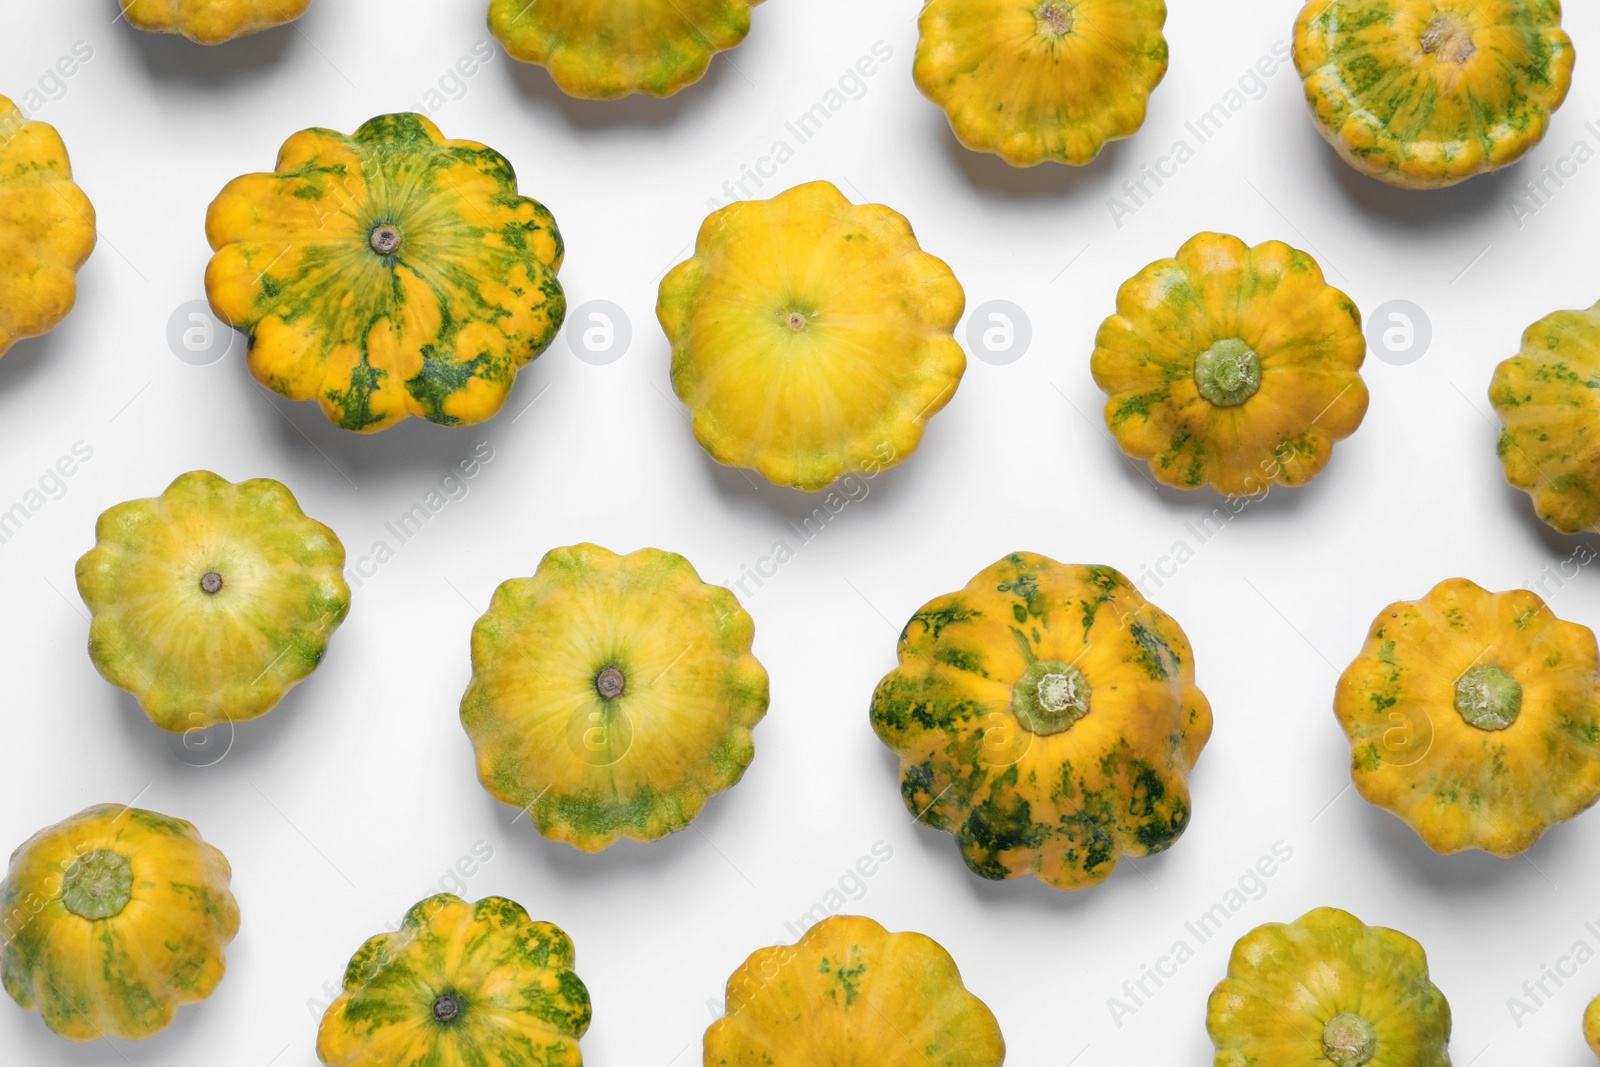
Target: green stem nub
385	240
1348	1040
610	683
446	1008
211	583
1488	698
99	885
1055	18
1049	697
1228	373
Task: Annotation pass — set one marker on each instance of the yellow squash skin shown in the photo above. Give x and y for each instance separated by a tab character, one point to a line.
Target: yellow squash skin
1422	94
1046	715
1231	367
211	21
611	695
387	274
46	228
1591	1026
602	51
1328	991
1431	667
113	919
459	985
1041	79
1550	416
811	337
210	601
851	992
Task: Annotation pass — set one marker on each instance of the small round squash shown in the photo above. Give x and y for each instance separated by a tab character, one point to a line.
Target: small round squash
1046	715
1041	79
852	992
1591	1026
459	983
1423	94
388	274
1328	990
113	919
601	51
1550	416
210	601
611	695
1473	716
1232	367
46	228
211	21
811	337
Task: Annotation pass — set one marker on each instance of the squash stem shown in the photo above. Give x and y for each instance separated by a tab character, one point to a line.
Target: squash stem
1056	18
211	583
446	1007
1488	698
1348	1040
1228	373
385	240
99	885
1049	697
610	683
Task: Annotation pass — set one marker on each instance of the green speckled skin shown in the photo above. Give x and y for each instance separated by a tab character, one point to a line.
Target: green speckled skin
437	328
1063	806
1548	400
1427	93
515	999
125	975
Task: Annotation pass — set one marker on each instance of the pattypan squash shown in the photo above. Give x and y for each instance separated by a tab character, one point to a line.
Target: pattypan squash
113	919
1231	367
211	21
811	337
387	274
1046	715
611	695
210	601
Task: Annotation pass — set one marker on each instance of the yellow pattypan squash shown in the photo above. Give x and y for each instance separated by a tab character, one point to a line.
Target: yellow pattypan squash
1328	991
114	919
600	51
1231	366
470	984
1474	717
46	228
1591	1026
1041	79
211	21
387	274
1426	93
811	337
1046	715
1550	411
852	992
210	601
611	695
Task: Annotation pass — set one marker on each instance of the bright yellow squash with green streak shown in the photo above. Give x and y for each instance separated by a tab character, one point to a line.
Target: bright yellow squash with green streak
1036	80
1423	94
113	919
46	228
1328	991
210	601
1231	367
811	337
1474	717
611	695
1549	407
211	21
601	51
387	274
459	984
1046	715
852	992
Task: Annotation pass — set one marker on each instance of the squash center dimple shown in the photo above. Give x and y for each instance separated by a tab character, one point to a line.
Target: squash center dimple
1488	698
1049	697
1448	39
610	683
99	885
1348	1040
210	583
446	1007
385	239
796	321
1228	373
1056	18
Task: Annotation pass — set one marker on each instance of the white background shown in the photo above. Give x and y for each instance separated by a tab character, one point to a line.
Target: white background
353	798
